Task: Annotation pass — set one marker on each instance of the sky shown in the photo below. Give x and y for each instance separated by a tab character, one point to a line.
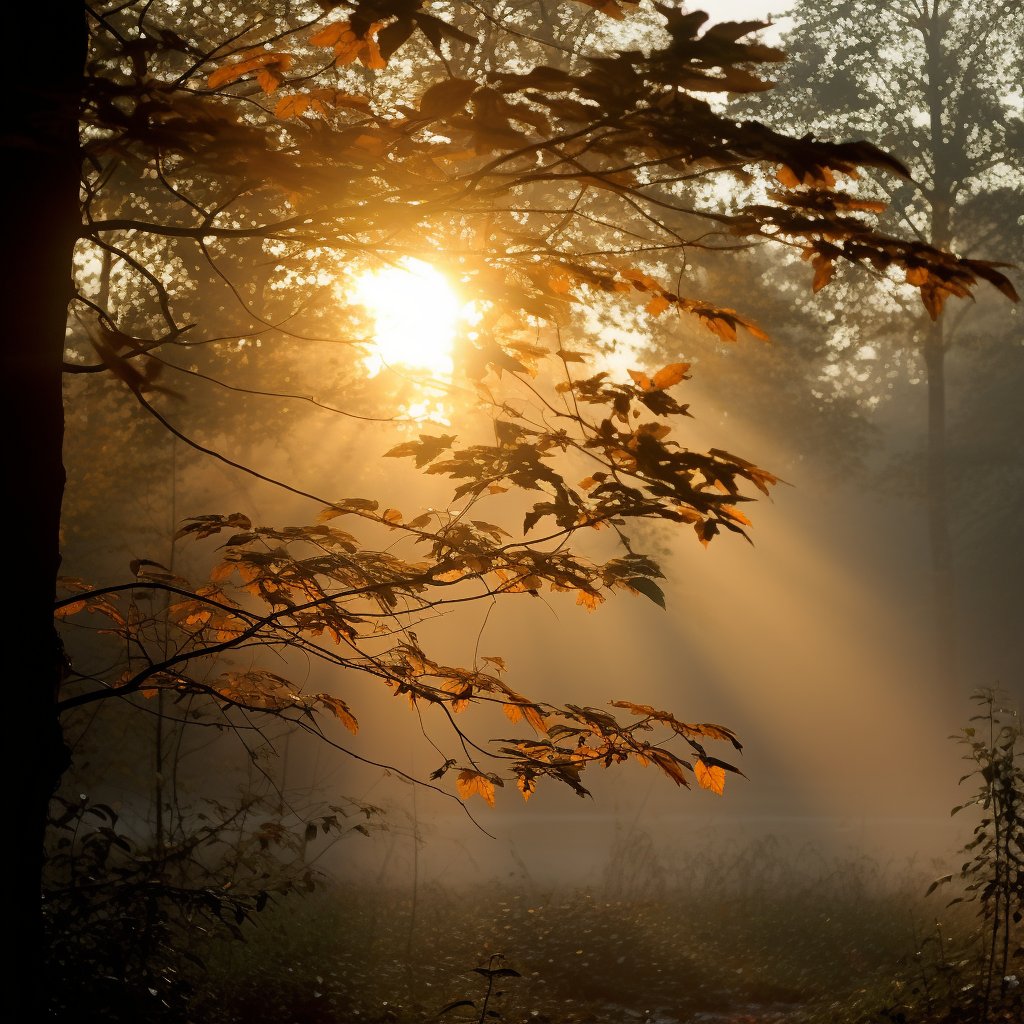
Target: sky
747	10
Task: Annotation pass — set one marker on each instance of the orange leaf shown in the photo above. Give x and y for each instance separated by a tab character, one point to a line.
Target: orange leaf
330	34
526	786
269	79
710	776
470	782
669	375
520	709
736	515
786	176
259	61
69	609
641	378
823	270
658	304
293	105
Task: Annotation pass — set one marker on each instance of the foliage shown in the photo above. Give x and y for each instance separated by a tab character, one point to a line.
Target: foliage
241	162
993	876
122	917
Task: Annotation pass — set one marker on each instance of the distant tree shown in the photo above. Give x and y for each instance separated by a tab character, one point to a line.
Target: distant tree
198	146
937	84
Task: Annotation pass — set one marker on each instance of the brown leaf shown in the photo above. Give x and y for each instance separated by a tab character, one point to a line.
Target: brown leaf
447	97
340	710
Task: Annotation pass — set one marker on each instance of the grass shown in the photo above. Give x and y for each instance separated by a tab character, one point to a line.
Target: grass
760	933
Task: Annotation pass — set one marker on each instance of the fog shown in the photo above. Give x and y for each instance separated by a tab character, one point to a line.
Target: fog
815	644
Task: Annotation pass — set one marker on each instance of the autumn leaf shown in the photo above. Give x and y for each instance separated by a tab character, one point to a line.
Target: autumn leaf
331	34
736	515
340	710
668	763
560	283
269	80
610	8
517	709
710	776
657	305
525	785
470	782
447	97
786	177
823	271
261	61
293	105
641	379
669	375
349	47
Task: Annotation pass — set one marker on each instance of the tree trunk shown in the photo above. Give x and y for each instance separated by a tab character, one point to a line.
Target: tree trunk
934	25
40	153
938	507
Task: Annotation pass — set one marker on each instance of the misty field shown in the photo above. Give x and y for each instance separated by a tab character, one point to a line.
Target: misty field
762	933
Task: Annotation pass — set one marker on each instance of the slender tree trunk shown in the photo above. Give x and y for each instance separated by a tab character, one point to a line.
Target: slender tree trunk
40	155
934	24
943	593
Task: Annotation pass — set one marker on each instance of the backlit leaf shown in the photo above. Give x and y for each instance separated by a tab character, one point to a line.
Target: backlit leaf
710	776
471	782
669	375
340	710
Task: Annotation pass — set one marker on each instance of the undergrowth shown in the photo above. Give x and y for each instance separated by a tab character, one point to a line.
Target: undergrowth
784	933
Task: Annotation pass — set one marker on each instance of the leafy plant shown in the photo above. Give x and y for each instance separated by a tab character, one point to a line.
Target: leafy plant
492	974
993	874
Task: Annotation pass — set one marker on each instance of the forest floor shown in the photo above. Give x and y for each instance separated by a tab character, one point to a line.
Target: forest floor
767	939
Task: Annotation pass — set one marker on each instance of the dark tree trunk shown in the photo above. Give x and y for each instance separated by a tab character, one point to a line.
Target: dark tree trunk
41	165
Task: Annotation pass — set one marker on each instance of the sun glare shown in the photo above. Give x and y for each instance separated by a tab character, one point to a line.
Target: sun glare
415	314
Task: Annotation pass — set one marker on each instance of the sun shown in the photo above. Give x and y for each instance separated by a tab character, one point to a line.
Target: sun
416	316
